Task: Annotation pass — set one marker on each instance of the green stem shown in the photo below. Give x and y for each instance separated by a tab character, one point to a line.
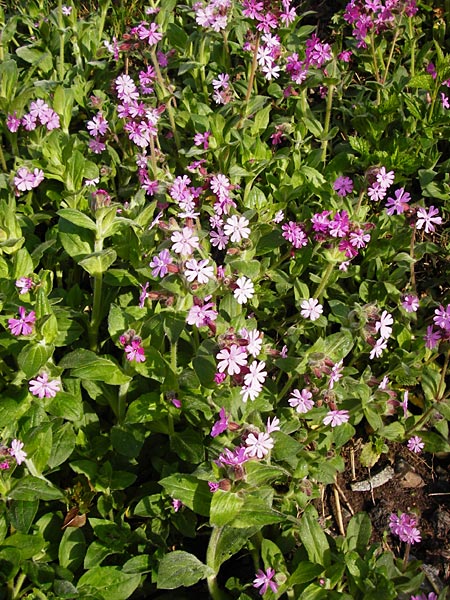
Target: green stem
325	278
2	156
412	40
165	90
441	388
97	303
18	586
61	41
202	68
153	158
411	254
215	592
253	70
122	402
326	127
391	54
173	356
406	557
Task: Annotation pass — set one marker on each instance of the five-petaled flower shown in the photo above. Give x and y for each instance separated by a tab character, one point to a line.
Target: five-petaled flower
17	452
43	387
265	580
24	324
258	446
336	417
311	309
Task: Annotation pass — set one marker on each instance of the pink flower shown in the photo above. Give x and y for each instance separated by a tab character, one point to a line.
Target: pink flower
244	290
42	387
236	228
24	285
429	219
231	359
198	270
264	581
273	425
135	351
221	425
258	446
184	241
177	504
410	303
343	186
336	417
415	444
23	325
404	526
17	452
301	400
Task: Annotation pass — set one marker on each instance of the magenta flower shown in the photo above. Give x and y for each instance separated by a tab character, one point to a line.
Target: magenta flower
399	204
42	387
343	186
431	596
135	351
221	425
442	317
410	303
294	233
415	444
264	581
232	459
432	337
336	417
405	527
177	504
23	325
159	263
17	452
24	285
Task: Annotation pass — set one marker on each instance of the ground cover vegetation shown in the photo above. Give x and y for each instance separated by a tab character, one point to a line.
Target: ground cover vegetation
224	300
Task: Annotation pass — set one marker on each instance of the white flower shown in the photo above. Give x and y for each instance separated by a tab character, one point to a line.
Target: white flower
256	373
198	270
301	400
383	326
244	290
232	359
377	350
258	446
311	309
236	228
185	242
251	391
254	338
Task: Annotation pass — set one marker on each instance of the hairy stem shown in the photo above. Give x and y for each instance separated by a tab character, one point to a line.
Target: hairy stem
251	78
165	90
97	303
61	41
215	592
326	127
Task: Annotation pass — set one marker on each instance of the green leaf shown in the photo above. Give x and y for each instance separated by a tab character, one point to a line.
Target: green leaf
306	571
63	445
74	171
259	473
192	492
109	582
180	568
98	262
9	76
313	537
188	444
256	512
72	548
225	506
28	545
66	406
30	488
228	541
359	531
96	553
36	57
22	513
33	356
77	218
76	241
87	365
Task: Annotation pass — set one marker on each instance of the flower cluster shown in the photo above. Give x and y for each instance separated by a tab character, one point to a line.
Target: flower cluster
441	328
368	16
39	113
213	15
25	180
15	451
134	350
405	527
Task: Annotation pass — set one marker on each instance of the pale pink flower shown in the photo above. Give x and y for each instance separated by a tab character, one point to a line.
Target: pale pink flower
301	400
231	359
258	446
336	417
184	241
311	309
244	290
236	228
17	452
43	387
415	444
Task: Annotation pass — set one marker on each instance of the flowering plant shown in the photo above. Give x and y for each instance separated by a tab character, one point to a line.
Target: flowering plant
215	250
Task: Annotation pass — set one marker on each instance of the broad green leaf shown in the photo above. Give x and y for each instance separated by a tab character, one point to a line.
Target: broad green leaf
63	445
28	545
109	582
33	356
313	537
192	492
30	488
38	58
23	264
9	75
143	563
259	473
77	218
256	512
225	506
358	533
180	568
76	241
98	262
22	513
88	365
188	444
74	171
66	406
72	548
96	554
228	541
306	571
10	563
